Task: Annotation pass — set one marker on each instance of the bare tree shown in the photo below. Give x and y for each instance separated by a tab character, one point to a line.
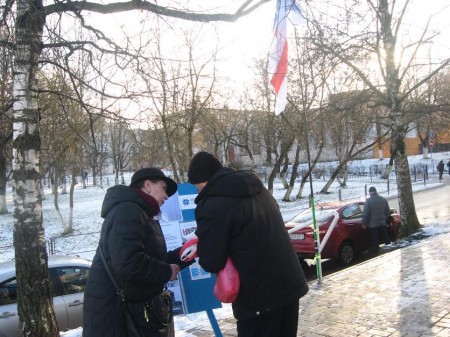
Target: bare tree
309	83
289	125
429	110
348	129
121	143
381	41
180	88
230	129
220	128
260	98
55	141
149	148
34	294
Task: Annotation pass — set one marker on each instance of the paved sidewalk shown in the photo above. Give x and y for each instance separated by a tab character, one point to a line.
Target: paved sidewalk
405	293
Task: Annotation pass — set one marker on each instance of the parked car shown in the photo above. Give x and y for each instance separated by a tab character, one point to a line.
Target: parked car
347	239
68	276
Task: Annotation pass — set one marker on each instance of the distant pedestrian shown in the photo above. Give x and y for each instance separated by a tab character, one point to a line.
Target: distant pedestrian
375	217
448	165
440	168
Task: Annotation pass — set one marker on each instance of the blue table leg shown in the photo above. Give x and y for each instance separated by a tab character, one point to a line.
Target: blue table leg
214	324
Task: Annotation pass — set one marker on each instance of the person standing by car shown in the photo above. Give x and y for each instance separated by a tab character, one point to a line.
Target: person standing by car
440	167
375	215
238	218
135	251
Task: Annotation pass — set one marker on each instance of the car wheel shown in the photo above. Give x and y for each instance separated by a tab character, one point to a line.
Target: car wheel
346	253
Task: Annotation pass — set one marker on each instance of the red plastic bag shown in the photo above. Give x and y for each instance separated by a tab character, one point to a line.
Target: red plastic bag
227	284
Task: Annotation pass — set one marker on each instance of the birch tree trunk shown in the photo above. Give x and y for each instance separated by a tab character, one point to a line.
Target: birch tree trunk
408	213
36	313
3	208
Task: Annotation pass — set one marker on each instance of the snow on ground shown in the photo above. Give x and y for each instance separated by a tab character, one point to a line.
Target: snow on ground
87	221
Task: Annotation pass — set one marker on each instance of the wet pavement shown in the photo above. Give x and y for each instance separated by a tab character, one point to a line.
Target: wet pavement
404	292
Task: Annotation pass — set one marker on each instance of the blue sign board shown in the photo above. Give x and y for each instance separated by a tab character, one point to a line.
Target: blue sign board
196	284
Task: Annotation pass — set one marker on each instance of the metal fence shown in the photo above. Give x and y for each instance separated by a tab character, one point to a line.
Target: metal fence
74	244
355	173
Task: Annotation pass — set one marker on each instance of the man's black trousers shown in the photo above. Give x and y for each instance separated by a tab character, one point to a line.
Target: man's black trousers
282	323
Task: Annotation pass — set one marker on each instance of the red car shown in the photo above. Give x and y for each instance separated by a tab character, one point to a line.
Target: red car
347	239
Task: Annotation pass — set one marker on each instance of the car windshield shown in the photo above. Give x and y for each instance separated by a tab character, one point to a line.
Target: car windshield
322	215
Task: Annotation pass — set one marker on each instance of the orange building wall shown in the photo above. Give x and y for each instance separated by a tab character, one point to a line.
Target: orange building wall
412	145
412	148
443	137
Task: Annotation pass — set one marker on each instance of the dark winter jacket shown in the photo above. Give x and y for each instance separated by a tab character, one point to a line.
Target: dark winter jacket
135	249
376	211
440	167
238	217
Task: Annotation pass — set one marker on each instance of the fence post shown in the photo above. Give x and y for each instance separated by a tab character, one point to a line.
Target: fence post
365	190
415	174
424	179
51	246
370	173
340	194
388	186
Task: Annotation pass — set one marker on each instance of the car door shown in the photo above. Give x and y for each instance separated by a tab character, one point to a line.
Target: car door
352	226
73	280
59	304
9	318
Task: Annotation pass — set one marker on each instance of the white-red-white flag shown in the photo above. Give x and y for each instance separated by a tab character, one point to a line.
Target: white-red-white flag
278	55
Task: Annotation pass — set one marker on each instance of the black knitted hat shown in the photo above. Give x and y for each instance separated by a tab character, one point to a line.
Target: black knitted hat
202	167
372	189
153	173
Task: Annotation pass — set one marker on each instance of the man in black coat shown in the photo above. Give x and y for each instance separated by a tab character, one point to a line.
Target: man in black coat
375	217
237	217
135	250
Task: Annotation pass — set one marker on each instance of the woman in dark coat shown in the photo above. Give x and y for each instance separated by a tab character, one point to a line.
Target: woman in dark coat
135	250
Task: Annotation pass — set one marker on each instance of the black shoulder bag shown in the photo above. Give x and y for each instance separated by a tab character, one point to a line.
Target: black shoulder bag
143	318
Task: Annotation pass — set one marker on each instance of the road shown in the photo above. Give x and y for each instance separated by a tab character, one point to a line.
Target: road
430	205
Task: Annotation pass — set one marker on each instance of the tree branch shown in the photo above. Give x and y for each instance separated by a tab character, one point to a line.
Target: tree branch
78	6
